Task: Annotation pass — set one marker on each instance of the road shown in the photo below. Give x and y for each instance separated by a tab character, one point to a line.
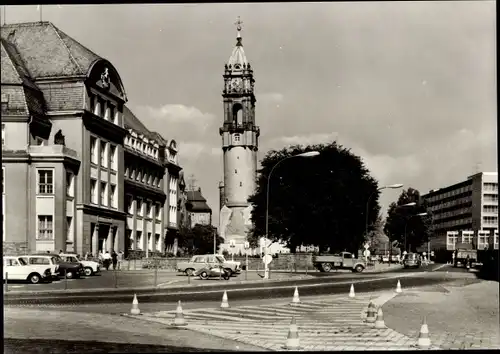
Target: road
251	320
120	303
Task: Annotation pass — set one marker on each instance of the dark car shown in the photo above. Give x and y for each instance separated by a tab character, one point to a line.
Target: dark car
70	269
411	260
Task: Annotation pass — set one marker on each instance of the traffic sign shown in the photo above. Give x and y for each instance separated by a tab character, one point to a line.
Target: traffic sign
432	253
367	245
247	245
424	253
267	259
366	253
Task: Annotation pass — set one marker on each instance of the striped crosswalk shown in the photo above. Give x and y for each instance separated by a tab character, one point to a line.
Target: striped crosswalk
329	323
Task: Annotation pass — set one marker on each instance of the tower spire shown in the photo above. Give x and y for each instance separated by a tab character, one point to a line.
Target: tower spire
238	24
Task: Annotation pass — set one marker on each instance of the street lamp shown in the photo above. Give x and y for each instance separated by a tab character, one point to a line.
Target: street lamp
406	224
304	154
391	186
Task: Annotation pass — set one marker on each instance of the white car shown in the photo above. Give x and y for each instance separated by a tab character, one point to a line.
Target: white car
89	267
237	265
16	268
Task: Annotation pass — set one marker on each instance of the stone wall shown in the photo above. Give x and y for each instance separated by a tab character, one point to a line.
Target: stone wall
281	262
15	248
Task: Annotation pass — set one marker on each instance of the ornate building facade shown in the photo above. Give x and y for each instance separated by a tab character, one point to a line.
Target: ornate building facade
70	148
239	145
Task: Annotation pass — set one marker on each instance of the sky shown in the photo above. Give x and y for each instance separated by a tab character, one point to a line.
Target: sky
408	86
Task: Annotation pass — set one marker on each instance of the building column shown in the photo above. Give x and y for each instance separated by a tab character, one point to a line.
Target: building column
95	239
116	239
110	239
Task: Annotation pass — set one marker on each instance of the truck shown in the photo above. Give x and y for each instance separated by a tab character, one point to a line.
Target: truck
462	250
343	260
200	261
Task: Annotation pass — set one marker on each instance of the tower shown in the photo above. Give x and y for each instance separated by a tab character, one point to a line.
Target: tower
239	145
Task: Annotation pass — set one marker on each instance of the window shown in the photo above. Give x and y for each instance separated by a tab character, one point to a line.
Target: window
45	230
93	149
3	134
149	209
241	184
150	240
69	229
112	195
69	184
138	238
236	137
39	260
235	171
4	103
158	211
112	157
104	192
104	150
45	182
451	239
11	262
139	207
93	191
129	206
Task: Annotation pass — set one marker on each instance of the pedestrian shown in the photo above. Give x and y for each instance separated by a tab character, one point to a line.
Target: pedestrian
60	252
120	259
114	258
106	260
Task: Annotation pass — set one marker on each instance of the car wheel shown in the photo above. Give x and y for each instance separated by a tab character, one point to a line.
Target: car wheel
203	275
88	271
359	268
327	267
69	275
229	271
34	278
189	272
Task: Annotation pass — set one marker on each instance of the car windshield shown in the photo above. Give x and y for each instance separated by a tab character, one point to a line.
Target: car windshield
22	261
56	259
220	259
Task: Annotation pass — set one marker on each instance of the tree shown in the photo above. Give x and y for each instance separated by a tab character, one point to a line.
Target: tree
199	239
401	218
377	238
318	201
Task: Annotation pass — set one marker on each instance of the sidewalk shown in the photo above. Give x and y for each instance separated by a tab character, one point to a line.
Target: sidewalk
459	316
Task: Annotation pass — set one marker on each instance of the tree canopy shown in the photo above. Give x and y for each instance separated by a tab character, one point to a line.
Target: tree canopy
399	217
319	201
377	239
199	239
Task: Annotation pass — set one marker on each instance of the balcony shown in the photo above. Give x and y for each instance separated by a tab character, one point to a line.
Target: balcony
52	151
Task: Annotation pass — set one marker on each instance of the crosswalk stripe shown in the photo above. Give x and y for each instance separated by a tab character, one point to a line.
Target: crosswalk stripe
235	312
286	311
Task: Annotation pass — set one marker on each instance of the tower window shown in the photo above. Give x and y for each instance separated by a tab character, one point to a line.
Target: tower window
238	114
236	137
235	171
241	184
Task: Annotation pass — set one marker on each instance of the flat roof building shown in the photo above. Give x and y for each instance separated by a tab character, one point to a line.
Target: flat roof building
470	205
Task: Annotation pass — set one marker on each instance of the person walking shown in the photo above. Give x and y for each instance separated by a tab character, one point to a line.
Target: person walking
120	259
106	260
114	258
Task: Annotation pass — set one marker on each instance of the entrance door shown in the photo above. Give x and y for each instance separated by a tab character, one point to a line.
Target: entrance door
103	238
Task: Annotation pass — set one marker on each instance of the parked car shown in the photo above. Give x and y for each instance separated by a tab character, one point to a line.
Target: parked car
89	267
15	268
71	269
46	259
465	255
212	272
235	266
344	260
200	261
412	260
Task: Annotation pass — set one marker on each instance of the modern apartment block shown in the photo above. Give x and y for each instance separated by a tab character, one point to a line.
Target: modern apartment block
69	147
465	211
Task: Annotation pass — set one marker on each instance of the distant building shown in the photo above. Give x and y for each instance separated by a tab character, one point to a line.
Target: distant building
198	209
470	205
183	215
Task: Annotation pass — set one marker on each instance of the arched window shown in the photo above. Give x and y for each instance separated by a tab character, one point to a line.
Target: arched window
238	114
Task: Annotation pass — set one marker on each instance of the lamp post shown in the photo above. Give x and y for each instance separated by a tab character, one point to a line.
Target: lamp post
407	221
247	246
391	186
304	154
215	241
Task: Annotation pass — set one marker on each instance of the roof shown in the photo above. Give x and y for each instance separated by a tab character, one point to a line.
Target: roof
238	55
51	52
13	72
196	202
132	122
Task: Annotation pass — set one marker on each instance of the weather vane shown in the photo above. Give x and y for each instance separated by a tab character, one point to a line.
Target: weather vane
238	24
